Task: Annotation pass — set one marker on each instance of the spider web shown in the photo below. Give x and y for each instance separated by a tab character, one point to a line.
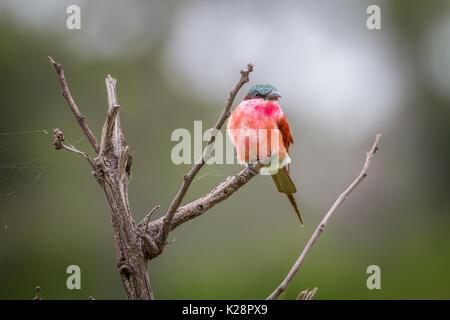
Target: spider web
18	178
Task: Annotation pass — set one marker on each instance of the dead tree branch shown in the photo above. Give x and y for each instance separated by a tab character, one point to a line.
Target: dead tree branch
58	144
196	208
73	106
280	289
307	295
38	293
137	243
112	170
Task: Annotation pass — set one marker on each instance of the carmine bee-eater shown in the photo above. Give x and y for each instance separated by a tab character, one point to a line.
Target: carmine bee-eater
259	131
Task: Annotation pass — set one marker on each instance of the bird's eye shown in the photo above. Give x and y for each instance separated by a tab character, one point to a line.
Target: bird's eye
257	94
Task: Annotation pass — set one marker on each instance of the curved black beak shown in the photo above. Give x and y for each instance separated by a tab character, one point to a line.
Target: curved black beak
274	95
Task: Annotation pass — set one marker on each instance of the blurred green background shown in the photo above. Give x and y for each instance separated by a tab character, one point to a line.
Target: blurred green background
175	63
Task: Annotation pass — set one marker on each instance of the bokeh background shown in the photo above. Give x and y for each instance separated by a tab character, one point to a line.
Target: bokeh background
175	63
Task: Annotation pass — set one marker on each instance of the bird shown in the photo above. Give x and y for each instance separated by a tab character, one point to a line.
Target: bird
259	130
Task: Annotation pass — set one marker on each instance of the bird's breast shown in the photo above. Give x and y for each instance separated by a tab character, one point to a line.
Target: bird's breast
253	130
256	114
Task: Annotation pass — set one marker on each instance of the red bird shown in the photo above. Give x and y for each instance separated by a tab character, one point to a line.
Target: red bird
259	131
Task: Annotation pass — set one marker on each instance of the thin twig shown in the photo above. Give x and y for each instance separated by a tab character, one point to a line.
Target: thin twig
58	144
311	294
307	295
302	295
73	106
280	289
111	133
198	207
38	293
176	202
150	244
149	215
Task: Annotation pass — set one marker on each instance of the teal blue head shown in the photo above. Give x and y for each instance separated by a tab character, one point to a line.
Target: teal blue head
263	91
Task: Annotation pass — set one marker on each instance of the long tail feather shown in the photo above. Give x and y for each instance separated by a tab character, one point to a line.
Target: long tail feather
285	185
294	204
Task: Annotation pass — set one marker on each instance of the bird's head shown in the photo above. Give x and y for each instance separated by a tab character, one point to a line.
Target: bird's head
263	91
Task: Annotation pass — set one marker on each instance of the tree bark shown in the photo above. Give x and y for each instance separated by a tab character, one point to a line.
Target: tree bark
113	174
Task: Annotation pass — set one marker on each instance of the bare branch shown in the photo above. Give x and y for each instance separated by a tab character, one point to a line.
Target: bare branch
112	170
73	106
280	289
149	216
188	178
307	295
112	136
38	293
58	144
302	295
114	164
196	208
150	245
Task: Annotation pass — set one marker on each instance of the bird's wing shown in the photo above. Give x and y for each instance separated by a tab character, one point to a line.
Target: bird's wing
283	126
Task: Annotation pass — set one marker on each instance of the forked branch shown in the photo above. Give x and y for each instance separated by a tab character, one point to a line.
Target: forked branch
58	143
112	170
307	295
136	244
198	207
